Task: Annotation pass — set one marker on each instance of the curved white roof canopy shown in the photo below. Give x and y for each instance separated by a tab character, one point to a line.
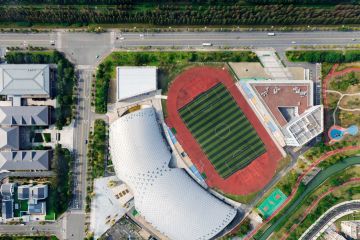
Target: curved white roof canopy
167	198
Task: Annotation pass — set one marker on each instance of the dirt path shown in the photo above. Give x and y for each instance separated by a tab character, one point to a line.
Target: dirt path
331	75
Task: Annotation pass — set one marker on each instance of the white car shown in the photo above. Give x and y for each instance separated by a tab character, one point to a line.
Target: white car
293	42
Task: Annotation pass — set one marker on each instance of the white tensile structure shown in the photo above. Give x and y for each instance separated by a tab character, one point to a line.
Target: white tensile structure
166	197
134	81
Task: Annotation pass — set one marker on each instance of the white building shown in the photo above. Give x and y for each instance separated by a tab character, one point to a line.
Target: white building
134	81
332	235
166	197
351	228
305	126
286	109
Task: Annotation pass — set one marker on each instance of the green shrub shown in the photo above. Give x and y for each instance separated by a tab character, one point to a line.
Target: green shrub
47	137
319	56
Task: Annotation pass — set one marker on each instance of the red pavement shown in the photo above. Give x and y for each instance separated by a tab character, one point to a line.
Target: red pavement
295	188
333	74
183	90
312	206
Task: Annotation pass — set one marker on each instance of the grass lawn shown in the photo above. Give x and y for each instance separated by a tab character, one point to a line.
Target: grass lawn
242	198
222	130
23	205
50	205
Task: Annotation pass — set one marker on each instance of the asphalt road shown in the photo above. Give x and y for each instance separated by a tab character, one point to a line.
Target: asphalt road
236	39
82	126
83	48
327	218
33	229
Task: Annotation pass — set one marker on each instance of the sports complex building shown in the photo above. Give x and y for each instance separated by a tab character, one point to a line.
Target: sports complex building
228	134
168	198
286	108
220	132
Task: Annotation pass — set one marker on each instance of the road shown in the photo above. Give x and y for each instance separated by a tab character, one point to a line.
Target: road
82	127
325	219
33	229
82	48
237	39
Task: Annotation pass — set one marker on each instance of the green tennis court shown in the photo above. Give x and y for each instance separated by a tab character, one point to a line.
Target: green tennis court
272	203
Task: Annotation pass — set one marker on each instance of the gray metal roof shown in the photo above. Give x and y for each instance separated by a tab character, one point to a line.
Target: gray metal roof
7	190
9	138
23	192
24	160
37	208
24	116
24	79
39	191
7	209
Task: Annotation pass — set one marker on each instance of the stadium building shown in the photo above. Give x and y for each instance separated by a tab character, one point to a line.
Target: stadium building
166	197
286	109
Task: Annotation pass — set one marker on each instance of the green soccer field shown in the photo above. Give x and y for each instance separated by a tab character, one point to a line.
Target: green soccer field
224	133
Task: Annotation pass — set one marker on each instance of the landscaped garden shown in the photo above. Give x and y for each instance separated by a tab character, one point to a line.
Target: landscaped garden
96	155
170	64
60	184
333	171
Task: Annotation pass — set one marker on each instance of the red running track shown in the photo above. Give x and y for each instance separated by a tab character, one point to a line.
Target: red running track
183	90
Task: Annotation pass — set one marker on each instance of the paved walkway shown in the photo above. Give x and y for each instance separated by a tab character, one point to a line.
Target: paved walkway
273	65
295	188
312	206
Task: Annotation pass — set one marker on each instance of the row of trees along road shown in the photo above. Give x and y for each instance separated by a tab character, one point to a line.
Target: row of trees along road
173	14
